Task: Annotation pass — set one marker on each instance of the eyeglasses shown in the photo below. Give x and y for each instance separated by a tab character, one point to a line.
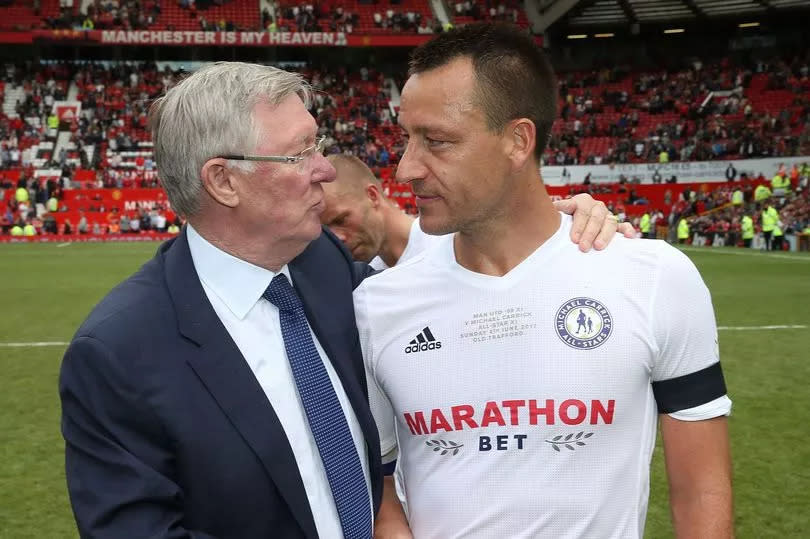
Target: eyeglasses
303	159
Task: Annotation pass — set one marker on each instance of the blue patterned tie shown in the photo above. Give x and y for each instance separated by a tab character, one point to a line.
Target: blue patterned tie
326	419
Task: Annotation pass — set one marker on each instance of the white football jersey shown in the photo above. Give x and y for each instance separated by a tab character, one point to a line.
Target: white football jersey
418	242
526	405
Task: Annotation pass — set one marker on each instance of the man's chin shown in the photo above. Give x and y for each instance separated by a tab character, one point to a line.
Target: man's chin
362	255
434	225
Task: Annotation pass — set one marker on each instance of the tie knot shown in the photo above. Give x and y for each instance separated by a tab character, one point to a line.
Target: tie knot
281	294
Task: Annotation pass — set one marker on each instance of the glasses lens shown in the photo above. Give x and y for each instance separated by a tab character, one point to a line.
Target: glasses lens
307	161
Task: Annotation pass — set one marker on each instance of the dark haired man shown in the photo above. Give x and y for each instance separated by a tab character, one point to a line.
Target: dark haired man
511	419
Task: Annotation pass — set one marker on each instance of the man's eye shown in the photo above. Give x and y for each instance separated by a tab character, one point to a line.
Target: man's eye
434	143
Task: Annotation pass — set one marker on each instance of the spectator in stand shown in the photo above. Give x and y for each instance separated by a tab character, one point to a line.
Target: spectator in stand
82	227
135	225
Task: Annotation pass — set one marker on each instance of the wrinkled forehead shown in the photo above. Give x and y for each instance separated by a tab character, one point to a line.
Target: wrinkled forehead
283	126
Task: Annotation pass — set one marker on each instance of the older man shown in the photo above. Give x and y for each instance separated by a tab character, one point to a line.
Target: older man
219	391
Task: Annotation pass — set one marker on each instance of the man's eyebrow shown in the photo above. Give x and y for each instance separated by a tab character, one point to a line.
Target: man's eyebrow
337	217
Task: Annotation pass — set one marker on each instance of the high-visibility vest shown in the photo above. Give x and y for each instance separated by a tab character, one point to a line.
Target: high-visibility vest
768	221
761	193
737	197
644	225
16	230
683	230
747	227
29	230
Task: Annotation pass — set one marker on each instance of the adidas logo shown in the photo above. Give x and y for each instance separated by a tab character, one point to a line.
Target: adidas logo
424	341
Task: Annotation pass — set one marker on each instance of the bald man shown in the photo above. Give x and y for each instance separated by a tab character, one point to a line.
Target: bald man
377	231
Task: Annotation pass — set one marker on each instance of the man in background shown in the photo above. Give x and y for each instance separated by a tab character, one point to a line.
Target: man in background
377	231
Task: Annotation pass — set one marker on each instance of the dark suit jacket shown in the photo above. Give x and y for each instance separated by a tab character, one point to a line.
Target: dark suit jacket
169	434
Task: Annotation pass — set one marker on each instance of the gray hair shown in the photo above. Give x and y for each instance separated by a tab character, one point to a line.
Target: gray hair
210	113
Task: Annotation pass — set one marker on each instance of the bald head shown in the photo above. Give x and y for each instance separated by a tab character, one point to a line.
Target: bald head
355	205
353	176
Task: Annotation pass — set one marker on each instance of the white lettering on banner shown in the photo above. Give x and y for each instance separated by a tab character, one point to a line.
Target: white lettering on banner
686	171
132	205
308	38
166	37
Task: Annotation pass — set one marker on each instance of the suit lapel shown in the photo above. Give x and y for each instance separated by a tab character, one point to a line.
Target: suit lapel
223	371
315	295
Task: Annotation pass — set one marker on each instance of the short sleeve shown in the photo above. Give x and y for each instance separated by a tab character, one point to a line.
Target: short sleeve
686	372
381	407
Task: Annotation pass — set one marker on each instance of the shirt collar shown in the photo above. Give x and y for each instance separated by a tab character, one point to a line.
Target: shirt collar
239	284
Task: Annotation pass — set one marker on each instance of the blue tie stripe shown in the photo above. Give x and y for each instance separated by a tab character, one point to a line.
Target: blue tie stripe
324	413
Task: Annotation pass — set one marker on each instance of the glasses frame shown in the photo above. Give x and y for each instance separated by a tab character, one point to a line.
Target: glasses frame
318	147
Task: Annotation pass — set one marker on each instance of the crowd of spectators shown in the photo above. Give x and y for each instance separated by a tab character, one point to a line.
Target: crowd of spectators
35	203
354	111
488	10
666	115
309	17
285	16
41	87
109	136
105	14
715	219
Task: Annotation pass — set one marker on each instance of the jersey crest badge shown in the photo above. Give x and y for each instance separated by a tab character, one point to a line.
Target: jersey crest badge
583	323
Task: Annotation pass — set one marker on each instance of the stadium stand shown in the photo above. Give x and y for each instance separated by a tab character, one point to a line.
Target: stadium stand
704	112
723	107
356	16
609	116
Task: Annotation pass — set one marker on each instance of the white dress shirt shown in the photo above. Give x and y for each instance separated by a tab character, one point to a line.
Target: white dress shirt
234	288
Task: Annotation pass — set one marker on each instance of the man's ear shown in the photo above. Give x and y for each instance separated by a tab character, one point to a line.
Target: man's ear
220	182
521	135
374	195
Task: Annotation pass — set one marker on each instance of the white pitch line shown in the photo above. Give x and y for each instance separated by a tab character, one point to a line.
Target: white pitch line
758	328
31	344
65	244
743	252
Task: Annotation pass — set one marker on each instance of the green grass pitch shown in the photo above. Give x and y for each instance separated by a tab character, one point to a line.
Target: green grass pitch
48	290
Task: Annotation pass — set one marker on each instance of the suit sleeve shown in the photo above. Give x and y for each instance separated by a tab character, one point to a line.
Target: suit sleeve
117	455
359	270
